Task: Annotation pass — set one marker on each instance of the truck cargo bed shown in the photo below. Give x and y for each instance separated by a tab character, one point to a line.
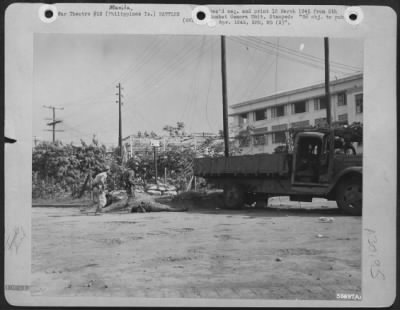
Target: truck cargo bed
257	165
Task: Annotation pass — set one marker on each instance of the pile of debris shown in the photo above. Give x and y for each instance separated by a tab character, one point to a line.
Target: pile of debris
160	189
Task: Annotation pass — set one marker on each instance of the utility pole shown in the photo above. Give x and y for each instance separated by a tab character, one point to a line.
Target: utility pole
328	108
155	162
53	122
119	120
131	145
224	97
327	90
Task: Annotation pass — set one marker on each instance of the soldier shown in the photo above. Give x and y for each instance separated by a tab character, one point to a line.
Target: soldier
129	180
99	189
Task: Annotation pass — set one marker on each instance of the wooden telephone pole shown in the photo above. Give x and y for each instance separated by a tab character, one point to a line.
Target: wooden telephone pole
119	121
224	97
328	108
53	122
327	90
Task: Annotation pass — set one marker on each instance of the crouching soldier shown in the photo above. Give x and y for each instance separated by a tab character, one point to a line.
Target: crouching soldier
129	179
99	189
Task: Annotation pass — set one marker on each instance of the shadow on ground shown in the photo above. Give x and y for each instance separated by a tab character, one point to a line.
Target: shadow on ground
213	204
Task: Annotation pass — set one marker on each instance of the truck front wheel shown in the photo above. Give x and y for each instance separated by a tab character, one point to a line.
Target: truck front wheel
349	196
234	196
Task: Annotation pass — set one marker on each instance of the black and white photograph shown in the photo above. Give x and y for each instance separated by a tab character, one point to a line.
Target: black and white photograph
193	166
185	155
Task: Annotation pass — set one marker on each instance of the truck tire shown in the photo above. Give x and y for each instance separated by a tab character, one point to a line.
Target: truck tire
234	196
349	196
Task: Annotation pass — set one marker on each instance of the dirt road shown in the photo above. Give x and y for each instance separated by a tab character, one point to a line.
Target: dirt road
270	254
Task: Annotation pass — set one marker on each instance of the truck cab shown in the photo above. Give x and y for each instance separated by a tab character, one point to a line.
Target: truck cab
328	163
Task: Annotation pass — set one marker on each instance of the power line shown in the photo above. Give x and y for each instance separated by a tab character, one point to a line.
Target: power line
293	53
297	59
147	55
196	77
178	63
305	55
161	76
143	59
245	73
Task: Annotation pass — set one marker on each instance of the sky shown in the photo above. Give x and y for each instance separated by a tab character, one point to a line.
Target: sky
168	78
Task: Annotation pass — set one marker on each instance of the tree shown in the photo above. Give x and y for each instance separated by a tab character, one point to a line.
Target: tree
178	130
169	129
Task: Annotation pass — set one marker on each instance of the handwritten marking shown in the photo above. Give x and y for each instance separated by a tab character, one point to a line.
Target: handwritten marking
15	239
376	270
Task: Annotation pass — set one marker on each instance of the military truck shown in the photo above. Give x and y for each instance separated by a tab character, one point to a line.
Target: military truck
317	162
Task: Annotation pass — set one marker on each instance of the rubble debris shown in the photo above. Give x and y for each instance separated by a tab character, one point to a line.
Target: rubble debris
161	189
326	219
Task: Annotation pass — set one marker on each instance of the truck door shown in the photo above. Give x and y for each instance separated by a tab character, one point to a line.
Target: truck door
308	159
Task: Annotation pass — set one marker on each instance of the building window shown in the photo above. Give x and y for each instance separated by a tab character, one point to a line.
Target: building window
300	124
260	115
342	117
279	127
299	107
278	111
341	99
320	103
243	119
279	137
259	140
320	122
244	141
359	103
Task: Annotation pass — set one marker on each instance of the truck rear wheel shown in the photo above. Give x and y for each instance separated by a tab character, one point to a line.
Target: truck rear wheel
349	196
234	196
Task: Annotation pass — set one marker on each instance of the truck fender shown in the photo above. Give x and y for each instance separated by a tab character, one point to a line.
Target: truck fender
348	172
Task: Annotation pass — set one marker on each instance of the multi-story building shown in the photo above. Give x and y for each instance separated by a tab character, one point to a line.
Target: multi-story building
261	124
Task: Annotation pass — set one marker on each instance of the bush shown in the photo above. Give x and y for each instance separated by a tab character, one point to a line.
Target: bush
58	168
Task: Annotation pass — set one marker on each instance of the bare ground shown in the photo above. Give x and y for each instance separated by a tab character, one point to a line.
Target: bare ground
282	252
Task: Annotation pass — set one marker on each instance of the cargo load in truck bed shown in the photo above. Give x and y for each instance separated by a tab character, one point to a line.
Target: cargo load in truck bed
260	164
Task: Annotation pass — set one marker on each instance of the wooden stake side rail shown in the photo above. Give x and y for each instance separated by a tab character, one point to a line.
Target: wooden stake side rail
244	165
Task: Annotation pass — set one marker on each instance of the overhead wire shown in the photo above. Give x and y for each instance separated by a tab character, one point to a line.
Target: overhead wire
189	102
158	78
286	56
306	55
250	59
143	59
193	93
300	55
